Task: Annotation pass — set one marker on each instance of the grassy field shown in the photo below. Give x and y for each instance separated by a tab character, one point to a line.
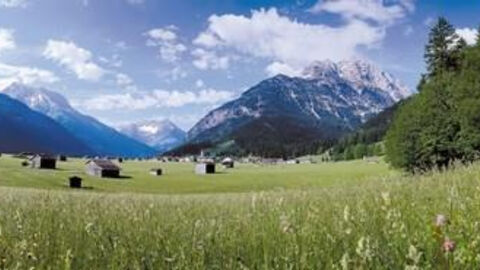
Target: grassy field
180	177
347	216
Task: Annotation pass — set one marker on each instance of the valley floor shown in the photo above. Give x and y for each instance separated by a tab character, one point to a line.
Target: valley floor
179	178
361	216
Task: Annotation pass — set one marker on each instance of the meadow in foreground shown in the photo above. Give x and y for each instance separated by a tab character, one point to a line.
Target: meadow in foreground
429	222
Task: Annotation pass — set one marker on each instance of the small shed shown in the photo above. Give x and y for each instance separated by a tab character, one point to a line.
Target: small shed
156	172
43	161
205	168
75	182
62	158
228	163
102	168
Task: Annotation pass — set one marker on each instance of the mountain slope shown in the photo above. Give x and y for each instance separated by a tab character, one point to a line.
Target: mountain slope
330	100
100	138
367	136
24	130
161	135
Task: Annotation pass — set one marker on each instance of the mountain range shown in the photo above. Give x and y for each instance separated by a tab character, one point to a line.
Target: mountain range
98	139
25	130
280	116
285	115
161	135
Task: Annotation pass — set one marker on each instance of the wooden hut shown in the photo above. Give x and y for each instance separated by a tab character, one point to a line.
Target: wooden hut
75	182
205	168
62	158
228	163
102	168
43	161
156	172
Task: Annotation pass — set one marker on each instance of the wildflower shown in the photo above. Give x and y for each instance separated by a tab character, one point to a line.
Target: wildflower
386	198
344	262
441	220
346	213
448	245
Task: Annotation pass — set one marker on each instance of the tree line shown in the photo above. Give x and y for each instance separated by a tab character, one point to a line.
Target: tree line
441	124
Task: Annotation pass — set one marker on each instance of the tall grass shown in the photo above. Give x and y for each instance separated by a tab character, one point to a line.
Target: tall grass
383	224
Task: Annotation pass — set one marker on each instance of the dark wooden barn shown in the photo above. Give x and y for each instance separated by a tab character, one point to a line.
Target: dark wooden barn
75	182
156	172
43	161
102	168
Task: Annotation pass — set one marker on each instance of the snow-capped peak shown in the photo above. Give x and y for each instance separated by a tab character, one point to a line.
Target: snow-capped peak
38	99
151	129
160	134
360	74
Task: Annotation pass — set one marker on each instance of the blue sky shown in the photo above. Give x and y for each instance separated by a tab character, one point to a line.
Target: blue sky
131	60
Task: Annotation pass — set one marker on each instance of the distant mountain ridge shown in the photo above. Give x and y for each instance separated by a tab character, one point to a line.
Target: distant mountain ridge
101	139
25	130
161	135
282	112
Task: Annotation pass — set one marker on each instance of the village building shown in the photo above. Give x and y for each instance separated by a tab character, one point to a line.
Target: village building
228	163
156	172
102	168
62	158
43	161
205	168
75	182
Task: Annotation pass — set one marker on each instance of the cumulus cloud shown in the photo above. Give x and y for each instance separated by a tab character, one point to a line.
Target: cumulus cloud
7	41
374	10
76	59
26	75
209	59
469	34
291	45
269	35
13	3
125	82
166	40
156	99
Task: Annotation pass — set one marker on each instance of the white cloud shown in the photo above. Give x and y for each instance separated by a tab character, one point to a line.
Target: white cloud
7	41
26	75
199	83
166	40
135	2
374	10
125	82
74	58
267	34
13	3
469	34
156	99
209	59
115	61
276	68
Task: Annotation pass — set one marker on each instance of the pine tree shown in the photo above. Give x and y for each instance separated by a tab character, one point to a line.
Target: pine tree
442	39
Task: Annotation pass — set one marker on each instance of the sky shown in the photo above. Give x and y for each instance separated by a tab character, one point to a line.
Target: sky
125	61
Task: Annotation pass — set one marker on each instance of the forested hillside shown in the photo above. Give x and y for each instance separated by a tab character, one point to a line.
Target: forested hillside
441	124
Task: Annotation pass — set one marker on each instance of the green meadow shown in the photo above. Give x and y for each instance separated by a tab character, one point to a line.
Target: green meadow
352	215
180	178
